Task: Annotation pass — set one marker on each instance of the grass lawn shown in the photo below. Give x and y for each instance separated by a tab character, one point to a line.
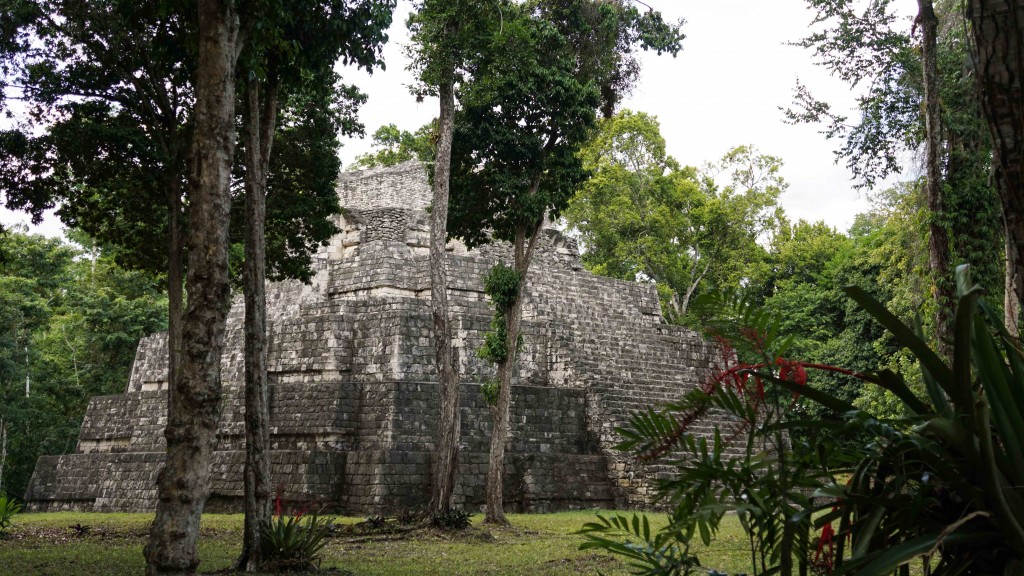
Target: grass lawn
112	544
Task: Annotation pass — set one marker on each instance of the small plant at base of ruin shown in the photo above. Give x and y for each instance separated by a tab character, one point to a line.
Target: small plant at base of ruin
290	545
451	519
80	530
375	524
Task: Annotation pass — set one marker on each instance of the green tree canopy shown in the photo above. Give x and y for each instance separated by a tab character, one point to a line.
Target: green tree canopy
69	324
393	146
642	216
514	151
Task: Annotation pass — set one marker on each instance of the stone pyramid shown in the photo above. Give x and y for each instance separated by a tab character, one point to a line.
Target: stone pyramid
353	390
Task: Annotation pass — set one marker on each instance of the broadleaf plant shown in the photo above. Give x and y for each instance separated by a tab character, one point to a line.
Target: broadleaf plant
943	486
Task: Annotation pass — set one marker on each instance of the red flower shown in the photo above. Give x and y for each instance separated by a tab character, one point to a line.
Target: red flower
792	371
824	562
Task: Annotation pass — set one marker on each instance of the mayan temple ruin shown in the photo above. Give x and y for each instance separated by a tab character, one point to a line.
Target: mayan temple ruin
353	392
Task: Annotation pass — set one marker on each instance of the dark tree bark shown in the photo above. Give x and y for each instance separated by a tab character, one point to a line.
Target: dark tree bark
447	448
1011	281
938	236
522	254
260	123
998	30
3	451
175	288
183	483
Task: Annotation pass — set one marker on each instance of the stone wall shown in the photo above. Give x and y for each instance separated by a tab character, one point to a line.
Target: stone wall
401	186
353	389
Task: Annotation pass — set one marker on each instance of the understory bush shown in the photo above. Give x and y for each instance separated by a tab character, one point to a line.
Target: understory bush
451	519
857	494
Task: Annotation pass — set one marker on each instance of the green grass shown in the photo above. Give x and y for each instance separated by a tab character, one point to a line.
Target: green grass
535	544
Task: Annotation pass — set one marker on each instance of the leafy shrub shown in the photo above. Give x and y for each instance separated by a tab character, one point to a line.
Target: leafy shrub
8	508
494	348
490	389
290	545
451	519
501	283
943	484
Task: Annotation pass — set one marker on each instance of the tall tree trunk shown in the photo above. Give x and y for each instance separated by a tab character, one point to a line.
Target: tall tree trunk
3	451
183	483
447	447
260	123
175	288
522	254
938	237
998	30
1011	305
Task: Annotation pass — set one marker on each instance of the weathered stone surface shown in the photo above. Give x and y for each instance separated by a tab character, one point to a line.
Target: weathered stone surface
353	396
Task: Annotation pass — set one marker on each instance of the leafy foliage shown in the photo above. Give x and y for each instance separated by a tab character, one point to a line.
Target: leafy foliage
941	484
291	545
607	34
8	508
393	146
649	552
301	197
490	389
867	45
642	216
107	125
514	149
69	324
501	284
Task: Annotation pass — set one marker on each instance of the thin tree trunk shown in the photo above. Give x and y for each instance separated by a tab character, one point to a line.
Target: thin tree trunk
691	289
183	482
447	447
523	253
938	237
260	123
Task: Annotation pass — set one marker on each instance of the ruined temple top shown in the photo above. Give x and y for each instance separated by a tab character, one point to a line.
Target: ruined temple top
404	185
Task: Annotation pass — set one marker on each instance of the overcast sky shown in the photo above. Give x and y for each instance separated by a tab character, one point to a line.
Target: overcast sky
724	89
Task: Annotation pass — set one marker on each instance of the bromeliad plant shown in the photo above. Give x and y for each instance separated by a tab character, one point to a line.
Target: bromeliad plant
944	485
290	545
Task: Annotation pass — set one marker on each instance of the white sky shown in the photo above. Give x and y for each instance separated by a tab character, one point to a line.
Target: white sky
723	90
